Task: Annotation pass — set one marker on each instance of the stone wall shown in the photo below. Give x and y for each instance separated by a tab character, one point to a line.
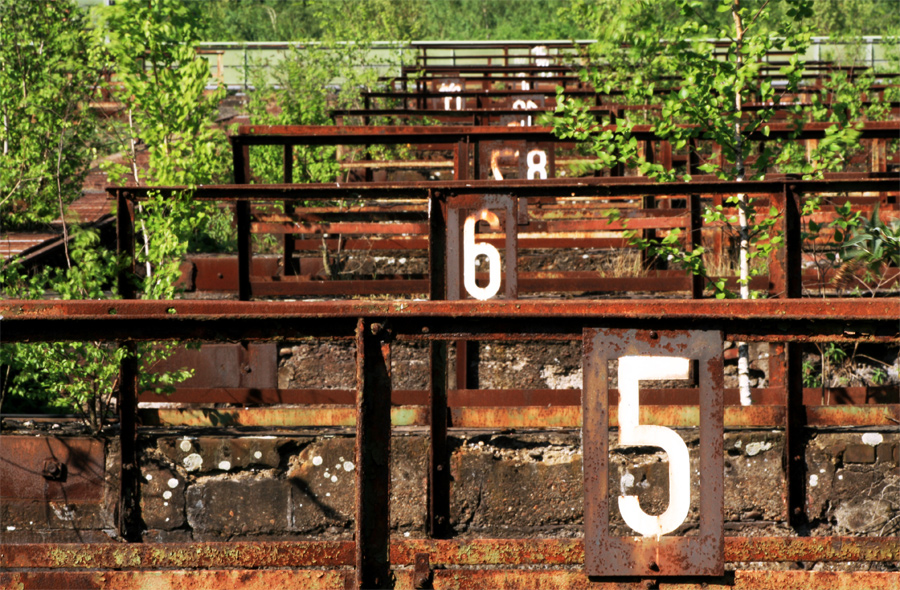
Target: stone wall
514	484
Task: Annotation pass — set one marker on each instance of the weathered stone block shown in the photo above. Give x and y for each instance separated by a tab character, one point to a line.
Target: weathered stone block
323	483
508	488
754	475
859	454
863	515
162	499
886	453
210	454
245	506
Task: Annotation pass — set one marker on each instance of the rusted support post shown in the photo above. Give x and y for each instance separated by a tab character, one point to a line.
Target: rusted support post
129	518
649	202
125	244
461	160
373	453
695	240
785	361
439	469
289	206
438	455
693	161
795	436
785	269
241	161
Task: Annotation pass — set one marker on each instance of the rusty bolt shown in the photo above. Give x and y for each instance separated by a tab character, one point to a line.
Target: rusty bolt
53	470
654	334
426	329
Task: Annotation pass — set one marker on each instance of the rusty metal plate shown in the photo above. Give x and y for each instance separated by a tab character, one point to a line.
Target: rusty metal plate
653	355
463	217
51	469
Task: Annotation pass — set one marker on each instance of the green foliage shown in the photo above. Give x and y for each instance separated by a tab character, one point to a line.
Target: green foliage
77	377
170	114
662	53
48	69
385	20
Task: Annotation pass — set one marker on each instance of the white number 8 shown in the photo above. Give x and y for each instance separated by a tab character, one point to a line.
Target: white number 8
471	251
537	164
631	432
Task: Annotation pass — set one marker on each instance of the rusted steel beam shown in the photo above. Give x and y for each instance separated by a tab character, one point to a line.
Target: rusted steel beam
756	320
180	555
444	579
678	416
373	454
251	396
244	579
467	552
345	134
628	186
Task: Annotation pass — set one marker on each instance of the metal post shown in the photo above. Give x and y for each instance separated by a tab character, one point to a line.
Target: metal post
125	244
241	162
695	240
373	452
129	517
288	240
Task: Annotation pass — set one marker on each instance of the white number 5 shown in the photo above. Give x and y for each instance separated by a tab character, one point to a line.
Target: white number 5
631	432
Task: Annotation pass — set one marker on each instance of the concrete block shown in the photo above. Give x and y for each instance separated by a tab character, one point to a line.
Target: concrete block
859	454
162	499
243	506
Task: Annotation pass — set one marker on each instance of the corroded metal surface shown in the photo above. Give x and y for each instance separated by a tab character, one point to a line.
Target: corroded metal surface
51	469
472	552
610	555
757	320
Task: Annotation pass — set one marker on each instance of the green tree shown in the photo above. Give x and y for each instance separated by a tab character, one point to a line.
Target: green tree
702	87
171	115
49	69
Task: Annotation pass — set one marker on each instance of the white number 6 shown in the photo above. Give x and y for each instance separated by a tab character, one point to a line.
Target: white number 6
631	432
471	251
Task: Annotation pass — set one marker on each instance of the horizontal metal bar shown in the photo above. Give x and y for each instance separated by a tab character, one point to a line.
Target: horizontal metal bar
680	416
244	579
447	579
335	135
513	397
779	320
550	187
551	552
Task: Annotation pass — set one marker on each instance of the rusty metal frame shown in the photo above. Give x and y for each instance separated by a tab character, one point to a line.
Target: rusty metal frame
609	555
373	324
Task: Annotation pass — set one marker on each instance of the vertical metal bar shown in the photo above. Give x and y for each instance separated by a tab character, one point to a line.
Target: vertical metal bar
125	244
439	473
693	161
373	453
129	518
288	239
437	246
695	240
510	226
241	163
649	202
792	260
795	436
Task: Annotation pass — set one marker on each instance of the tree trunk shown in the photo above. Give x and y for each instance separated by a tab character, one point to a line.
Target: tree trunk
744	230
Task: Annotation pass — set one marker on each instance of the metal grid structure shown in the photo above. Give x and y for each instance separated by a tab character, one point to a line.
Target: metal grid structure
690	329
